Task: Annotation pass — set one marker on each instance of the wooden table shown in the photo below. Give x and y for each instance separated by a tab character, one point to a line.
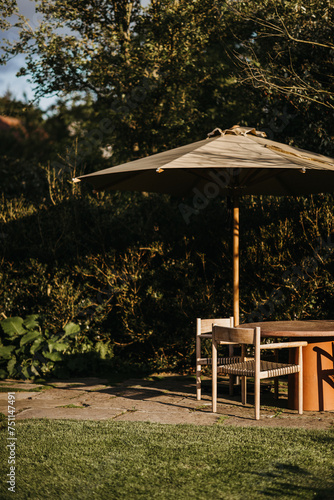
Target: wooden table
318	359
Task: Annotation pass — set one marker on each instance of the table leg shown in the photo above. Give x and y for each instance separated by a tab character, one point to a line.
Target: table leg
318	379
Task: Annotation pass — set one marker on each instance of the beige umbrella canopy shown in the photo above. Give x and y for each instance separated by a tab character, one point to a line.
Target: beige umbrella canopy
233	162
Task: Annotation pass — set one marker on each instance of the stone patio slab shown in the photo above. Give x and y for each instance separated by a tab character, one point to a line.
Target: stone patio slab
167	399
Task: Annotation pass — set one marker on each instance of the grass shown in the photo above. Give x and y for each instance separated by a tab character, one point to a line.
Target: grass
71	405
222	419
200	408
137	460
28	389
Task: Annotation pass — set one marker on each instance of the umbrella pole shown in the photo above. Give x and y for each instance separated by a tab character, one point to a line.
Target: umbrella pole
236	258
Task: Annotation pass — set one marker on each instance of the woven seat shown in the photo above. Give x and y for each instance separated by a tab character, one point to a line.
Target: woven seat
257	368
247	368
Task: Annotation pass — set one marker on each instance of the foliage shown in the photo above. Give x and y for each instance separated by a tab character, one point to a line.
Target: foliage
160	76
8	8
132	274
169	461
291	50
285	55
287	52
27	351
126	267
157	76
26	138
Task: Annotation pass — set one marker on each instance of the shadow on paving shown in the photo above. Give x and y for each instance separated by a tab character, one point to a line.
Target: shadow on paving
162	398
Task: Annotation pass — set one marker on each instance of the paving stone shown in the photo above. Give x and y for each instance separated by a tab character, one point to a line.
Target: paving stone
169	399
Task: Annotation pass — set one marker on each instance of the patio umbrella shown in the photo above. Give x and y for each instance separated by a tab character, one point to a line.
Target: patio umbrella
233	162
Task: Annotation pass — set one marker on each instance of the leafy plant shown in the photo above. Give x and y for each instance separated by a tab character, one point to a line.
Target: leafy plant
28	352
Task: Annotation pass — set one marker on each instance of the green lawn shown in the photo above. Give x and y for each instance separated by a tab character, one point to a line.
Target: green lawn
120	460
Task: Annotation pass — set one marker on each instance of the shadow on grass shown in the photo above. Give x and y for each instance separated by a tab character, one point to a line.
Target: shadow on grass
285	482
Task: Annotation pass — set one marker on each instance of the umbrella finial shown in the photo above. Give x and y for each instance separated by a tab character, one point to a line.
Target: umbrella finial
237	130
215	132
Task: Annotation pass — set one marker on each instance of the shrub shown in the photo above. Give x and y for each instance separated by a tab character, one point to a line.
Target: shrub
28	351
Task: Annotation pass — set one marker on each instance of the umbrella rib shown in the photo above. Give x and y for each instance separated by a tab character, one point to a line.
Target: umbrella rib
283	152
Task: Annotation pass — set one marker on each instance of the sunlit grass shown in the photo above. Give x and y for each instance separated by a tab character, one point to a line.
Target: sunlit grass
116	460
26	389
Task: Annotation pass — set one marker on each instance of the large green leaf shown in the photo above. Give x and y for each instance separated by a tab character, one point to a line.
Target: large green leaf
29	337
35	371
25	372
60	346
11	367
71	329
35	345
57	346
6	351
53	356
31	322
13	326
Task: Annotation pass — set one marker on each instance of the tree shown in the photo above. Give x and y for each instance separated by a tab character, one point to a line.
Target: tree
8	8
291	48
158	77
